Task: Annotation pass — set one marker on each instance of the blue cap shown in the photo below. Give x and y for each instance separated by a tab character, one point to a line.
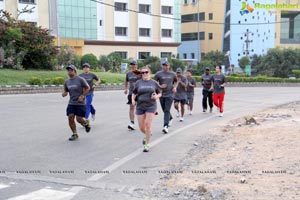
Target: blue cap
165	63
86	65
133	62
71	67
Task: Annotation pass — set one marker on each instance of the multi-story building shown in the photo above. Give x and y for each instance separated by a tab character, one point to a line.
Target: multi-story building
288	26
39	8
136	29
205	36
248	29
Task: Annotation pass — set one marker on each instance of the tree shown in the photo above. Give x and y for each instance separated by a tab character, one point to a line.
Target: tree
91	59
115	61
176	63
153	62
66	56
104	62
243	61
25	45
216	57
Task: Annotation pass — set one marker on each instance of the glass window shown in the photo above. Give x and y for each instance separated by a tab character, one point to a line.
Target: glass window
184	56
27	1
189	36
201	16
210	16
290	27
165	54
166	10
193	55
120	6
121	31
123	54
185	2
144	8
201	35
210	36
144	32
143	55
166	32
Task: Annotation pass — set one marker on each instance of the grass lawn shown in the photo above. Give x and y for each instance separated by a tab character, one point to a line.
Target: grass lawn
18	77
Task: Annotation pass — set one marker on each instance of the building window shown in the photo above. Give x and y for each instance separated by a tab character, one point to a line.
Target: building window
210	16
100	22
166	54
185	2
193	1
144	8
166	10
189	36
192	17
121	31
120	6
144	32
201	16
210	36
166	32
201	35
143	55
123	54
184	56
27	1
289	28
193	55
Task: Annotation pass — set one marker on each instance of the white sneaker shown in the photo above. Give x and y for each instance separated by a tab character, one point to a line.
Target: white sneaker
93	117
181	119
131	126
170	122
165	130
191	113
221	115
177	114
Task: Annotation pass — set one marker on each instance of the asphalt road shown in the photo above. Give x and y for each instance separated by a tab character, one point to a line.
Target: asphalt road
38	162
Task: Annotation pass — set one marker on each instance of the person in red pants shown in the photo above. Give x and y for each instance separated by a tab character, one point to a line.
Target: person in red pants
219	82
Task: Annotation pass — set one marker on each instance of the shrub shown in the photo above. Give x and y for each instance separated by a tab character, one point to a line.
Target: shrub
103	81
47	81
91	59
197	78
58	81
35	81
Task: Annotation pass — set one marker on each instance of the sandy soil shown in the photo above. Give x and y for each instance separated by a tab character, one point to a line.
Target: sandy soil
259	161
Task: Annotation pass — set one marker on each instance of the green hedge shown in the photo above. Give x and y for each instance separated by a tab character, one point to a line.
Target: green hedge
260	79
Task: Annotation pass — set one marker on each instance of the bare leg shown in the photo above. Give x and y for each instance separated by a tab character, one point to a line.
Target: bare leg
148	126
141	121
131	112
81	120
182	109
72	124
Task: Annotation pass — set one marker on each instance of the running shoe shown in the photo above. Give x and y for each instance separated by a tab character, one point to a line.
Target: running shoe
177	114
210	110
146	148
144	141
191	113
73	137
221	115
93	117
204	110
165	130
131	126
87	126
181	119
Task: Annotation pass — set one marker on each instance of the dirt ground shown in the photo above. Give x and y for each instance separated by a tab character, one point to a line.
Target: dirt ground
258	160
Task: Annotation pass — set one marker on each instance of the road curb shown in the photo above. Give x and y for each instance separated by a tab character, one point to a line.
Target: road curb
34	89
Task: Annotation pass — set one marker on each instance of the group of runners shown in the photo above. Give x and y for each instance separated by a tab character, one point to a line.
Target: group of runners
142	94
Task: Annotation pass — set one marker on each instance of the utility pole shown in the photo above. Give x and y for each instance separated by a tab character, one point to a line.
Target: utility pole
198	30
247	41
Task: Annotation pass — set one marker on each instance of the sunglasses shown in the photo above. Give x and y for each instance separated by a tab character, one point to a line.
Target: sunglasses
144	72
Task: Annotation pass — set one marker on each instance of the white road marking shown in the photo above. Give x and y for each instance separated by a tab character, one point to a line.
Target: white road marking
4	186
45	194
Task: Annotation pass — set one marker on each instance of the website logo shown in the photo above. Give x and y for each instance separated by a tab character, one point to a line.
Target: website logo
246	9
